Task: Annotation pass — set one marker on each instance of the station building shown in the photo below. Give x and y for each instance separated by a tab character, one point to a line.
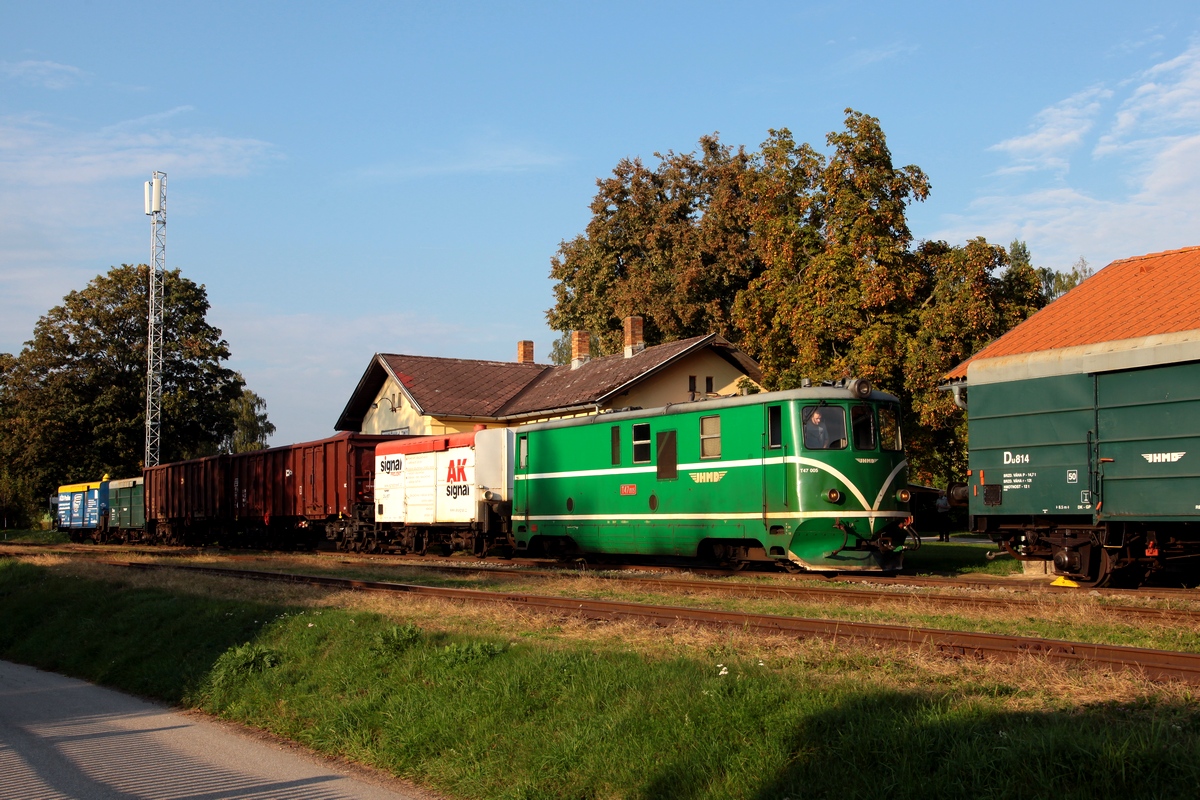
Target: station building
405	394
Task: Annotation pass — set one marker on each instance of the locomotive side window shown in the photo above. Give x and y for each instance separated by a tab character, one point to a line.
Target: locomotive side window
616	446
641	443
523	451
862	422
824	428
710	437
667	461
774	427
889	429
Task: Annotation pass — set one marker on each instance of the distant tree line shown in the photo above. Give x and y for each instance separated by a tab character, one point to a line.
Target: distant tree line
72	402
806	261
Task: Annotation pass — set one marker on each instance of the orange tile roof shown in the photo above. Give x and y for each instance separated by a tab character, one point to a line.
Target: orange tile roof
1134	297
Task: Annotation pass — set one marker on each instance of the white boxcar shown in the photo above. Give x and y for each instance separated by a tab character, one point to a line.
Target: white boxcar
442	480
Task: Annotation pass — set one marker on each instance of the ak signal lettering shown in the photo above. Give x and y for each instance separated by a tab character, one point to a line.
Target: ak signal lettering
456	479
457	471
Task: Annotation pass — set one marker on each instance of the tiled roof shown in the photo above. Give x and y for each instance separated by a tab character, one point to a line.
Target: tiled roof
1141	296
456	387
461	387
563	387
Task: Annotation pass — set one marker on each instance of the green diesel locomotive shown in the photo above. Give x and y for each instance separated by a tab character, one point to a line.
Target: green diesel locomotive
811	478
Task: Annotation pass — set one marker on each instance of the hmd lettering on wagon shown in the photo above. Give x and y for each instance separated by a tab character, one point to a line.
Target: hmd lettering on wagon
1160	458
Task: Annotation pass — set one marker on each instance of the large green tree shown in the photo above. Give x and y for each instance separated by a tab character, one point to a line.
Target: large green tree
670	244
806	260
72	402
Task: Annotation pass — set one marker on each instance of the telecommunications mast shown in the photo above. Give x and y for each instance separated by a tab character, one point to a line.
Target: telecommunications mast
156	209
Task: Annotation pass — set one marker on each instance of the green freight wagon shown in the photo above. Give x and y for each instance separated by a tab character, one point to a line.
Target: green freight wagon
1090	456
811	478
126	508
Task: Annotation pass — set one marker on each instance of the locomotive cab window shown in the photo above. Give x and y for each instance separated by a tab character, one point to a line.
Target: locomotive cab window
774	427
523	451
824	427
641	443
889	429
710	437
862	422
616	446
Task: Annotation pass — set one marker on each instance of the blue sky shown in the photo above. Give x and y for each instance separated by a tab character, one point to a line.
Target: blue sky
356	178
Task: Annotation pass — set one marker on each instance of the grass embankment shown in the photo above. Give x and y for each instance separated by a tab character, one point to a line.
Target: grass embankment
492	702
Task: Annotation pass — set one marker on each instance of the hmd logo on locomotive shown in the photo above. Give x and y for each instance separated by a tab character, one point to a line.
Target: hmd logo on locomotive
456	479
1016	458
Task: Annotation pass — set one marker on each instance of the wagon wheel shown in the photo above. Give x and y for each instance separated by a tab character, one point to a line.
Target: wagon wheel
1100	574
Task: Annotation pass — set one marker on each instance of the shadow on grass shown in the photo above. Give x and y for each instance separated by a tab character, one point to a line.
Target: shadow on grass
958	558
928	745
149	642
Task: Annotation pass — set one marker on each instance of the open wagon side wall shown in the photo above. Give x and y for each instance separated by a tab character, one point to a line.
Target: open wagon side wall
186	495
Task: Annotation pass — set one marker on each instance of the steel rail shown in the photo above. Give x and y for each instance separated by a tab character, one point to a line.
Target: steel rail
1154	664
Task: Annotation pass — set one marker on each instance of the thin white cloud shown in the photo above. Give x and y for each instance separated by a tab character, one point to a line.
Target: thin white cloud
1057	131
44	74
1147	160
67	196
327	353
474	159
1165	102
866	57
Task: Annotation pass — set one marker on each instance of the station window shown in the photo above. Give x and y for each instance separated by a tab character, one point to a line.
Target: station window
862	421
708	384
710	437
774	427
523	451
889	429
641	443
616	446
824	428
692	384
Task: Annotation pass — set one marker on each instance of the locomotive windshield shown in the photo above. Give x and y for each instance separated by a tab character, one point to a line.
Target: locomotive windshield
862	421
889	428
824	428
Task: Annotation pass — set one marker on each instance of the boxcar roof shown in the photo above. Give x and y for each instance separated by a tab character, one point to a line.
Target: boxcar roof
815	393
1135	312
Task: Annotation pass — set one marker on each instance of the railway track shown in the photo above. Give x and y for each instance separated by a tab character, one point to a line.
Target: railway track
1155	664
843	595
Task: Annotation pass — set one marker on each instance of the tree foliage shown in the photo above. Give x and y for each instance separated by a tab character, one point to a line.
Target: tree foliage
72	403
251	428
806	261
1055	283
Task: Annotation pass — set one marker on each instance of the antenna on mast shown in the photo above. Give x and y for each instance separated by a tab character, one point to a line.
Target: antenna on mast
156	209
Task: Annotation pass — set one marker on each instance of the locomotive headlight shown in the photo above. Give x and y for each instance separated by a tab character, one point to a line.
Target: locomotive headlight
833	496
903	496
860	388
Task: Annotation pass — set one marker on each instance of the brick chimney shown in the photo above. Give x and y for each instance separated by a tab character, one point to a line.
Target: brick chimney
525	352
580	348
634	343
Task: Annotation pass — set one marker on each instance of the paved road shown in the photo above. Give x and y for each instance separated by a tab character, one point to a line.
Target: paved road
64	738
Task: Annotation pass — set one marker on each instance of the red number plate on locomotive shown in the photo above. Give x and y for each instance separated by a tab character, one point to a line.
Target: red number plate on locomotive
628	488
